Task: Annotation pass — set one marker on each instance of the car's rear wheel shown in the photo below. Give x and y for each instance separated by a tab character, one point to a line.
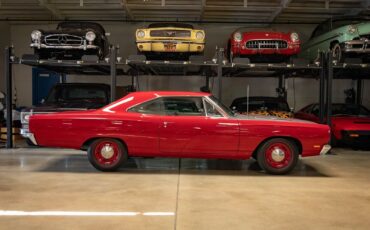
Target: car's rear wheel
278	156
107	154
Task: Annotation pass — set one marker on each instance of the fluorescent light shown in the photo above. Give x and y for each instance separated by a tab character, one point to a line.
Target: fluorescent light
80	213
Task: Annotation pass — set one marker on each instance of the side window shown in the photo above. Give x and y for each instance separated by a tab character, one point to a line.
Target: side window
150	107
211	110
183	106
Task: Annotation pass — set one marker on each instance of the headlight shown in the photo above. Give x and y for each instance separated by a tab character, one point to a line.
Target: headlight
352	29
238	36
294	37
36	35
90	36
199	35
140	34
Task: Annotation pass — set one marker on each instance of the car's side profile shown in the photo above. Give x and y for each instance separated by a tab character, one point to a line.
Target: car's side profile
350	123
179	124
343	36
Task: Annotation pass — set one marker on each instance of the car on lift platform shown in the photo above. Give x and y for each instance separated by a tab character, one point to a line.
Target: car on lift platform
71	41
343	36
170	40
263	46
268	106
181	125
350	123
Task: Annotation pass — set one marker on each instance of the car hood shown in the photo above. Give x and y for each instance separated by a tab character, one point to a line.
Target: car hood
79	32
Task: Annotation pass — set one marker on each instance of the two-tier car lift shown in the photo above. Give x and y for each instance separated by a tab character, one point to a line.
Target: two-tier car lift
218	67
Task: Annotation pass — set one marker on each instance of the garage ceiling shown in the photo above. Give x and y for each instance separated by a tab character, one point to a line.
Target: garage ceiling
268	11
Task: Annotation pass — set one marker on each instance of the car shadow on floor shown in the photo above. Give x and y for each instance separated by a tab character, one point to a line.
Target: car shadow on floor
80	164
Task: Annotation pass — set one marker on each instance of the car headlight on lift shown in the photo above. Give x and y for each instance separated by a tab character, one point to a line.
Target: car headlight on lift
199	35
140	34
294	37
36	35
352	29
90	36
238	36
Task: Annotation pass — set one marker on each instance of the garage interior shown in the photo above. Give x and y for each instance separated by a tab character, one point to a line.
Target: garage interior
44	188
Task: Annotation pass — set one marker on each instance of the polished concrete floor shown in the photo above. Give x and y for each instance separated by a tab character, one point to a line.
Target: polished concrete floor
58	189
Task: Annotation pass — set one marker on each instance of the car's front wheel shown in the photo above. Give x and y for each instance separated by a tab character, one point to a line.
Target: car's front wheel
337	53
107	154
278	156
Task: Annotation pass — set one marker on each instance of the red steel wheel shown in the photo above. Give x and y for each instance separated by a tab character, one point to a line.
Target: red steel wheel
107	154
278	156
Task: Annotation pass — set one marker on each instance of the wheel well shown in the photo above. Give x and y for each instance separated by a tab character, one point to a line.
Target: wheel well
292	139
332	44
87	143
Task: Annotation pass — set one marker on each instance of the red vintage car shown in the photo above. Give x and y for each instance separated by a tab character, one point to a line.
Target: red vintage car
350	124
264	46
181	125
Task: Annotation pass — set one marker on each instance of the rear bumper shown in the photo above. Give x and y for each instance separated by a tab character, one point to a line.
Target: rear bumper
26	134
356	137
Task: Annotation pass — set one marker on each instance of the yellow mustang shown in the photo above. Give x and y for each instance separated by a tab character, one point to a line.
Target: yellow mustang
170	38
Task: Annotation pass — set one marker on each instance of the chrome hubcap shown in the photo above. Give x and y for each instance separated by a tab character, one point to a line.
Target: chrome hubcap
107	152
278	155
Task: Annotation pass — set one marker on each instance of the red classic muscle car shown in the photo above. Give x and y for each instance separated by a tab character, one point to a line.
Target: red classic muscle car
350	124
264	45
179	124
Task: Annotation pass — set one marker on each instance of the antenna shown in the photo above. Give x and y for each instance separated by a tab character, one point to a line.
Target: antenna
248	100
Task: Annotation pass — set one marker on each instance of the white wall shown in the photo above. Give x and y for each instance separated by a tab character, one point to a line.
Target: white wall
122	34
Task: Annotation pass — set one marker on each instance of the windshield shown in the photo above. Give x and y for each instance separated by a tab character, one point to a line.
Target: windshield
77	93
222	106
242	106
349	109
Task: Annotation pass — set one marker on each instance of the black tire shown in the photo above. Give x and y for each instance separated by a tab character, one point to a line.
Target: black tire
104	163
265	156
337	53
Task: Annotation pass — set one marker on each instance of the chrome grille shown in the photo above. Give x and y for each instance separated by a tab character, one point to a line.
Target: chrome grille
63	40
170	33
267	44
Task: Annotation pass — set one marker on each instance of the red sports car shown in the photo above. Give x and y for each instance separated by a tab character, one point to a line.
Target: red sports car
350	124
179	124
264	46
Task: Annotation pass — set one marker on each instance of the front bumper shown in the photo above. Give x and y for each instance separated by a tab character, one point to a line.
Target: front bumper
325	149
80	47
241	49
170	46
357	46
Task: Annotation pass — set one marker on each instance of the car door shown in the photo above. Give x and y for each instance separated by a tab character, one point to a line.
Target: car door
188	130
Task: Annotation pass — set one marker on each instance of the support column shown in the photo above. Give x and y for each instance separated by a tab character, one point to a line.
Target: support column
359	92
282	90
329	88
113	73
322	88
220	57
9	97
